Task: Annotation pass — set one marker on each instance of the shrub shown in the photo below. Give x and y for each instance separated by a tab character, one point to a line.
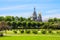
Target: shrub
1	34
43	31
28	32
50	31
35	32
15	32
22	31
58	32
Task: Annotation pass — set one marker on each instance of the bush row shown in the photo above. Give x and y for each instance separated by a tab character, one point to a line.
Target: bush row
36	32
27	32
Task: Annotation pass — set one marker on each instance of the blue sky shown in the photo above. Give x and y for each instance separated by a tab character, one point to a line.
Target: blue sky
24	8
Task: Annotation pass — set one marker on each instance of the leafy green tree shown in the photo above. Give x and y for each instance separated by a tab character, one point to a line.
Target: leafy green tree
29	19
51	20
13	18
8	18
46	25
19	24
55	20
34	25
38	24
29	24
9	24
24	24
14	25
21	19
58	20
2	18
16	18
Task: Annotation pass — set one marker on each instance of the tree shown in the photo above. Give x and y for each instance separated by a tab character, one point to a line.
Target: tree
8	18
38	24
13	18
2	18
55	20
19	24
16	18
9	24
24	24
34	25
29	19
29	24
3	25
21	19
51	20
14	25
46	25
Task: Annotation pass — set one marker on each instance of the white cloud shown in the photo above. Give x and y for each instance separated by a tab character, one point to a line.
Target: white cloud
26	14
14	7
46	17
54	11
52	14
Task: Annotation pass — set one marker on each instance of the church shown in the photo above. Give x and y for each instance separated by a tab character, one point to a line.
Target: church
34	16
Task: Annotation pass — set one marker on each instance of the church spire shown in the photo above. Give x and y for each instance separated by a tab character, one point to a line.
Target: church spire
40	17
34	8
34	14
34	11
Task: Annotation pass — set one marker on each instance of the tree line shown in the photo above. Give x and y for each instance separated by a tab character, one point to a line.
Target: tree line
11	22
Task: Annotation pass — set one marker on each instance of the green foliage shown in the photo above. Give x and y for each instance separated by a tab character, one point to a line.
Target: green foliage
22	31
29	24
54	20
17	18
28	31
35	32
8	23
1	34
34	24
51	20
8	18
24	24
50	31
2	18
15	32
20	22
14	24
43	31
58	32
21	19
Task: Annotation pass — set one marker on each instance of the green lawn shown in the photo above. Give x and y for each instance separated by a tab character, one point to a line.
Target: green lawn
31	37
10	35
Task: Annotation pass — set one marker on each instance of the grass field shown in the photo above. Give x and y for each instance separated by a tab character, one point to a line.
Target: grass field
10	35
31	37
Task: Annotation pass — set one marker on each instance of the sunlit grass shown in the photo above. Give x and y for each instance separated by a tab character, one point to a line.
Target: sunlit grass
31	37
10	35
